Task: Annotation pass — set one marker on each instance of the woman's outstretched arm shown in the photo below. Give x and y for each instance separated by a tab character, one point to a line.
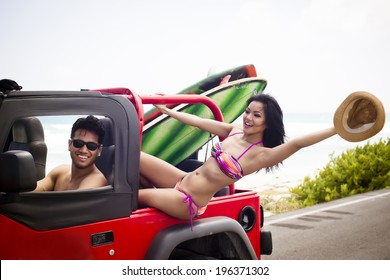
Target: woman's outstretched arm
279	153
313	138
214	127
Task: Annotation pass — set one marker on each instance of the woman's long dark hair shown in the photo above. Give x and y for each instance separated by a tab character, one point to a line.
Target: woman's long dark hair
274	134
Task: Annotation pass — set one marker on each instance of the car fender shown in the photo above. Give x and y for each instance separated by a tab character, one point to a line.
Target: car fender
169	238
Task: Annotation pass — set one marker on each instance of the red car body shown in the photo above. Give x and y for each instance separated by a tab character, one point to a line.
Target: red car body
107	223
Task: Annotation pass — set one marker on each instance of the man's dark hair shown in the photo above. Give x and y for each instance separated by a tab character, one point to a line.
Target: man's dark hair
89	123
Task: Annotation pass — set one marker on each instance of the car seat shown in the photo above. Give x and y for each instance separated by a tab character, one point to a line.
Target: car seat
28	135
105	162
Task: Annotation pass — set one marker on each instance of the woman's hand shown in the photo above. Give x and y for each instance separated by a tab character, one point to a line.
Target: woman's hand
162	107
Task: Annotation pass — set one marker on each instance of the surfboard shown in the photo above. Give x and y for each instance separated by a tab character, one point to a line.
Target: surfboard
208	83
174	141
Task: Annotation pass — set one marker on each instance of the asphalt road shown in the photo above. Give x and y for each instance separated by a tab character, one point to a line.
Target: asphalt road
353	228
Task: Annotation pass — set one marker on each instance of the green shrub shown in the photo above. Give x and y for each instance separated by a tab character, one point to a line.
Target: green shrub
355	171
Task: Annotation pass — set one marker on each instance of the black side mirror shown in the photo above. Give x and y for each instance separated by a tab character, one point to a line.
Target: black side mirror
17	172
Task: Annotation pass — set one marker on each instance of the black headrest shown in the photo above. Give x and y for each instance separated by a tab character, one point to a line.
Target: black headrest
17	172
105	162
26	130
108	136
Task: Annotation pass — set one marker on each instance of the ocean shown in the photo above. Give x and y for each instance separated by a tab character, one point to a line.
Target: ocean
306	162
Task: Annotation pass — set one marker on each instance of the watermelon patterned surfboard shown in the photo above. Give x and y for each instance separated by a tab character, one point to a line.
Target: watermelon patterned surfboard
174	141
212	81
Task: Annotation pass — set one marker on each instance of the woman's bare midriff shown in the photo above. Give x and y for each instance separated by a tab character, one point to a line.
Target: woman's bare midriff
205	181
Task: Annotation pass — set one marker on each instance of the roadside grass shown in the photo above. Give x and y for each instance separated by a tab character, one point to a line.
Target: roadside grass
278	202
357	170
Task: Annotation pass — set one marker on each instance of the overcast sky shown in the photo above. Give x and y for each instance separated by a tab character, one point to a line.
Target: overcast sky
312	52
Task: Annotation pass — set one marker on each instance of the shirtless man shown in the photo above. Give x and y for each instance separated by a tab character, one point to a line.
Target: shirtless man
84	146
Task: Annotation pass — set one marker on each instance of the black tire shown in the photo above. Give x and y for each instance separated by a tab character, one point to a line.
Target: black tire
265	243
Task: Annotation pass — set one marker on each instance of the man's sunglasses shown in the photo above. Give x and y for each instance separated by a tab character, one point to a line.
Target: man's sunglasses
92	146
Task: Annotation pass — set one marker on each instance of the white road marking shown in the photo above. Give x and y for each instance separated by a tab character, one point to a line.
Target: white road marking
325	209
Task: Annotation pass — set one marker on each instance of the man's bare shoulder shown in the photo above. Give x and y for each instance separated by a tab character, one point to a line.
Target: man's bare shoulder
53	177
60	169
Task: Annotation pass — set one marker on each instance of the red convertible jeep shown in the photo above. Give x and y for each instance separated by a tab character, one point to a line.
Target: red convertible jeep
107	222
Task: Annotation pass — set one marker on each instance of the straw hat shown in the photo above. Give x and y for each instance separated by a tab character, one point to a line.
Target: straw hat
360	116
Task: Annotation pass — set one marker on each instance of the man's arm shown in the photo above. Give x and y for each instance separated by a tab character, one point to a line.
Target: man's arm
46	184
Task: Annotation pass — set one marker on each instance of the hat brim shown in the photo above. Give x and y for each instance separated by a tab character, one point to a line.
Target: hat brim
365	130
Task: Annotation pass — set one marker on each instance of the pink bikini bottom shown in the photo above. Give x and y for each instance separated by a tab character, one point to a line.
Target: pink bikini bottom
188	198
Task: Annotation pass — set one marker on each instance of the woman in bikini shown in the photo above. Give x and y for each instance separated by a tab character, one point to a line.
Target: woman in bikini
259	142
